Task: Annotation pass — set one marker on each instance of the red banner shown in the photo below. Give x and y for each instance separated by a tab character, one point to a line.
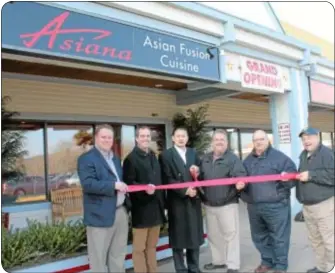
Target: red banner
217	182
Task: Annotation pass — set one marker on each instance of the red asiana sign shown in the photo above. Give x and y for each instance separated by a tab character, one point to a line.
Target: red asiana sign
54	29
45	30
257	74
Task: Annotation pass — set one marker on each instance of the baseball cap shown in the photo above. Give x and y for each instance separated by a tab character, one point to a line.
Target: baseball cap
309	131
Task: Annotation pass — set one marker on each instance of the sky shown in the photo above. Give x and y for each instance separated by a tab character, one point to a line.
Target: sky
314	17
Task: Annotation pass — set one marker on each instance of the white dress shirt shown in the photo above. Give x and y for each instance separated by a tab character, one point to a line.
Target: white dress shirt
109	159
182	153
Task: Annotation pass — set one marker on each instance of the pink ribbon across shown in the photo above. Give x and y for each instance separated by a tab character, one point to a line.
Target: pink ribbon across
217	182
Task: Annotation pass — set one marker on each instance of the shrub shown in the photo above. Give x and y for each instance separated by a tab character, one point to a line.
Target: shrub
41	241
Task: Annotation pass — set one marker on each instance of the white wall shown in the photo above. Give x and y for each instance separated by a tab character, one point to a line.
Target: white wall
255	12
18	220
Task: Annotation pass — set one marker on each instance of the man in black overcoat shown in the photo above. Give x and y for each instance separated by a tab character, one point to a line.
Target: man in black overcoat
184	205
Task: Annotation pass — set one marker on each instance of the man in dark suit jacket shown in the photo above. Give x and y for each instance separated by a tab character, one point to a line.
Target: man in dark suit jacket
184	205
142	167
104	198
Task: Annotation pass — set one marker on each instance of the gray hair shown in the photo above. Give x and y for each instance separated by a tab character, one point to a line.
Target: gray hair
220	132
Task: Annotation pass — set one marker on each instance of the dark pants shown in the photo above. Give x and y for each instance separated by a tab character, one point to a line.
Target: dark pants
192	258
270	225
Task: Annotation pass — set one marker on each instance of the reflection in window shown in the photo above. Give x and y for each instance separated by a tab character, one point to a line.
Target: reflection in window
233	141
246	144
65	144
327	140
117	140
270	136
25	161
158	142
128	140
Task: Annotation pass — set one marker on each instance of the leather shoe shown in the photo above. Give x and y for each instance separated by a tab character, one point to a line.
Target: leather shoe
211	266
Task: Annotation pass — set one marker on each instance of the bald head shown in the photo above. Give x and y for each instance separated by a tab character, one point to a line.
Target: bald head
261	141
260	134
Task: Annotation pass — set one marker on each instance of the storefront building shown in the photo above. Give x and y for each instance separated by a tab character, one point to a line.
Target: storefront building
77	65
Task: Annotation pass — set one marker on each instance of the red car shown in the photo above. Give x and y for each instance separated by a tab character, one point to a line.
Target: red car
32	185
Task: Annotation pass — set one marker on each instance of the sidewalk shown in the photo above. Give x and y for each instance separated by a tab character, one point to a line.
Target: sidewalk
301	256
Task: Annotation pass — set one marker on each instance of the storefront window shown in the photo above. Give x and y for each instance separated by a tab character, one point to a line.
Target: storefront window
271	138
246	144
23	164
158	143
127	140
65	144
327	139
233	141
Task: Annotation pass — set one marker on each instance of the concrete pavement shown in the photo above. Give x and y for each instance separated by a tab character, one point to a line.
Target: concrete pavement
301	256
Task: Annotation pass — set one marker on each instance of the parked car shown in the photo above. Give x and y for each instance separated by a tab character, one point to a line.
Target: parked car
33	185
73	180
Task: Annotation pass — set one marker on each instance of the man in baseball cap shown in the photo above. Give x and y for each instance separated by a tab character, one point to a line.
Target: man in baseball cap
309	131
316	193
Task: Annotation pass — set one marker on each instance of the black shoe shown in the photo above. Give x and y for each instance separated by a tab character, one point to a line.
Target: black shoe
211	266
232	270
315	270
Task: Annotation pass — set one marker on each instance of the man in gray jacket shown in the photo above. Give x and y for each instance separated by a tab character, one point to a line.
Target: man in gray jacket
316	193
221	204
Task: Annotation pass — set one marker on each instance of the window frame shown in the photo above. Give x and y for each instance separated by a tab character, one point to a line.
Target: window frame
11	207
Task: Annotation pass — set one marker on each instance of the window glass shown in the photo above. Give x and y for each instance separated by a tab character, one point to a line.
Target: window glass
270	135
246	144
23	164
327	139
65	144
127	140
233	141
158	142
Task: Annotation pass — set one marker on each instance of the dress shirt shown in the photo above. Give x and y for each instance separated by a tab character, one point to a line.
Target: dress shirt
182	153
109	159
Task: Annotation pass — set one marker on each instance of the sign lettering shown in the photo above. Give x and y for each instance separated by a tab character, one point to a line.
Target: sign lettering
68	44
284	132
38	28
260	75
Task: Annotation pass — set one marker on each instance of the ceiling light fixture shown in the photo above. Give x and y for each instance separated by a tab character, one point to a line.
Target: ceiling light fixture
158	85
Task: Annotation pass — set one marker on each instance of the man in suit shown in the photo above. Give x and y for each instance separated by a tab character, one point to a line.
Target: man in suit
141	167
105	215
184	205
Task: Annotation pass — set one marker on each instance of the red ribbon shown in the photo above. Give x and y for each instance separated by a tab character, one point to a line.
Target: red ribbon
217	182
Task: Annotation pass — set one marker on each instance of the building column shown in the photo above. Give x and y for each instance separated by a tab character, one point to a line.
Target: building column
289	114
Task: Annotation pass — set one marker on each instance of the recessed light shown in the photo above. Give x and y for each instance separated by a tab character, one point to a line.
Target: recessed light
158	85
